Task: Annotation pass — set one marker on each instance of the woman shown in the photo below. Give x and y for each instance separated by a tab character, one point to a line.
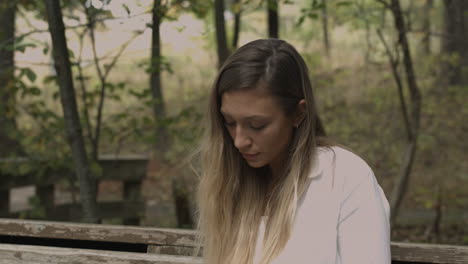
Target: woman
273	188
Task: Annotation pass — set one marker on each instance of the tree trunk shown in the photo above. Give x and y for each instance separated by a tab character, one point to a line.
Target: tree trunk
223	51
237	9
161	165
426	41
159	109
455	42
70	111
399	190
273	21
10	146
326	35
415	110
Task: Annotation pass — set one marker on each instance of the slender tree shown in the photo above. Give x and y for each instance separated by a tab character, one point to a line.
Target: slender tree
7	66
174	201
221	42
326	35
103	72
237	9
159	109
411	119
70	111
273	19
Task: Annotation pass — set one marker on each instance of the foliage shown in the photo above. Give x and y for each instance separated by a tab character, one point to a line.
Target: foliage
312	10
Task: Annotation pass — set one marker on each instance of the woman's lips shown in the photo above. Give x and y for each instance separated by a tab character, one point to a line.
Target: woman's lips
249	156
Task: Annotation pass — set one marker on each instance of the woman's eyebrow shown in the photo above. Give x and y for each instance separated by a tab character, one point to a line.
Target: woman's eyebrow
252	117
256	117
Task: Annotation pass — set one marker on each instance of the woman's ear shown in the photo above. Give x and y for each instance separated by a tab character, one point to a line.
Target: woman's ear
300	113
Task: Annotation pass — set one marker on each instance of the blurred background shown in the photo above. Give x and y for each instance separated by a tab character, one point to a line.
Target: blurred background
391	82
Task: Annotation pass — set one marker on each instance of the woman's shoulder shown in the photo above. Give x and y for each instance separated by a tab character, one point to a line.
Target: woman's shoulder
342	157
346	167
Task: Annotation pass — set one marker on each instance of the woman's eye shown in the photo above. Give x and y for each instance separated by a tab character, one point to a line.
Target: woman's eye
229	124
257	127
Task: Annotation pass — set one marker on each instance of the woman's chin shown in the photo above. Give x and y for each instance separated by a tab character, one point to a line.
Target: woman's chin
255	164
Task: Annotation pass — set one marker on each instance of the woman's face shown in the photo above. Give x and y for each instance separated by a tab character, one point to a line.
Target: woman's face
258	126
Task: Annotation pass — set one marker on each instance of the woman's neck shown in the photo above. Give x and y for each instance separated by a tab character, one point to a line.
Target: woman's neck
277	170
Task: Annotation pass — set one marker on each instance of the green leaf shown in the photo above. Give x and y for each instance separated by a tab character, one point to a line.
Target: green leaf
344	3
34	91
115	97
29	74
313	15
46	48
72	17
126	8
121	86
21	47
300	21
55	95
109	86
49	79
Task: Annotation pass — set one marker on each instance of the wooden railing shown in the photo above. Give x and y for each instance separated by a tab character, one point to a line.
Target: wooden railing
54	242
130	171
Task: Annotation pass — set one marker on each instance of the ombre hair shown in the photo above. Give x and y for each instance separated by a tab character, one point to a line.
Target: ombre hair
232	197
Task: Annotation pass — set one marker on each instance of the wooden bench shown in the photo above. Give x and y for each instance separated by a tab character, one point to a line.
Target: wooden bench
40	242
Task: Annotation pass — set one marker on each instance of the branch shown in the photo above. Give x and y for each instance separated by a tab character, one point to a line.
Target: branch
83	89
102	74
90	25
23	15
394	63
66	28
83	61
102	95
410	75
122	49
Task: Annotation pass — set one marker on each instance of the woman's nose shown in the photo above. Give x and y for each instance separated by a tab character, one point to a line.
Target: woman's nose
241	139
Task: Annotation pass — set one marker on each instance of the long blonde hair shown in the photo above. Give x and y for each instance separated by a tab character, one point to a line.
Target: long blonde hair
231	196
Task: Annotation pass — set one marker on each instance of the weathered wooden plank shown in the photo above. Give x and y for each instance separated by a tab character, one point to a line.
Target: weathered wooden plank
22	254
109	233
429	253
173	250
181	242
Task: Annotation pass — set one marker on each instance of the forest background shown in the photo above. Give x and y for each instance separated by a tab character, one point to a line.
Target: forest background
390	78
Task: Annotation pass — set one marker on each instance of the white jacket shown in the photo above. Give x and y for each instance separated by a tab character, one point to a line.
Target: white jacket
340	220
